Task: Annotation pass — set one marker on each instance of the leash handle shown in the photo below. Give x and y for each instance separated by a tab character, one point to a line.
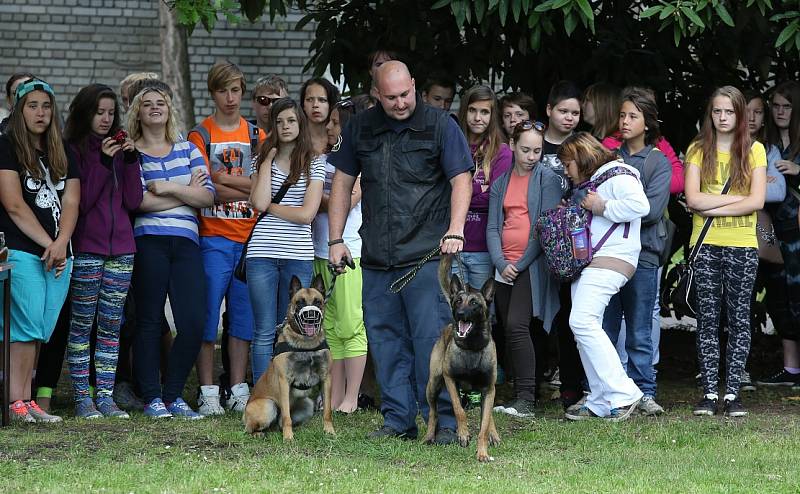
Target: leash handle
404	280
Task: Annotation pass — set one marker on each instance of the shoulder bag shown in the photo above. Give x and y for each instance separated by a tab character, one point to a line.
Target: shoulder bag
682	294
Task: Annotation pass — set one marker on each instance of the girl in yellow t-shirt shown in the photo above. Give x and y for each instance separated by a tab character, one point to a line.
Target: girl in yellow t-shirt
728	257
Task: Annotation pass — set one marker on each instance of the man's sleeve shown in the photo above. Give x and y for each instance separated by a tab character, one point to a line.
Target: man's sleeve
456	158
345	158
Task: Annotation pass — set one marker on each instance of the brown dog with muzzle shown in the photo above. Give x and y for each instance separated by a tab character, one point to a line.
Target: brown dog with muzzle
300	366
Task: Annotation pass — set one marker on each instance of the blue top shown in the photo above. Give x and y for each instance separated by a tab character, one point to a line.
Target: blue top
177	166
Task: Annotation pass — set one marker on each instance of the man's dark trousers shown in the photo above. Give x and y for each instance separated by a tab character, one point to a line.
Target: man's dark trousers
402	329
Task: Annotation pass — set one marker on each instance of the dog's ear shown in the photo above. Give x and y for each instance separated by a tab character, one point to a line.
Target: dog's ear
487	290
319	284
294	286
455	285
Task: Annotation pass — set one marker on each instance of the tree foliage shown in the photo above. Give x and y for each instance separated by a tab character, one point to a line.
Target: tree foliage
680	48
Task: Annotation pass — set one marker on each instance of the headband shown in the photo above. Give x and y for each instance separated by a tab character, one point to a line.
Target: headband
32	85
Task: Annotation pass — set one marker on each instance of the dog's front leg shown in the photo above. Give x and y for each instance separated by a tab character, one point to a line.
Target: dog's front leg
286	412
327	413
487	430
432	394
461	417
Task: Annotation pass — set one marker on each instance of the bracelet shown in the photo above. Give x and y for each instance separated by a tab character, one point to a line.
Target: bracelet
331	243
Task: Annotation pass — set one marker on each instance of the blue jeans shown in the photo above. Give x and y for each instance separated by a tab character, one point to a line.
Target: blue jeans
477	266
635	300
402	329
268	282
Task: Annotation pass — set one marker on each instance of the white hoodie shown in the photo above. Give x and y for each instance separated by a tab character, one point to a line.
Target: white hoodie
625	201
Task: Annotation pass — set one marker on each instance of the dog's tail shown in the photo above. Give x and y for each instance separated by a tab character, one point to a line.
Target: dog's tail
445	268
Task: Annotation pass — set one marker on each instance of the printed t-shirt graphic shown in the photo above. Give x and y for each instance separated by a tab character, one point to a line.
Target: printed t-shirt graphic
229	151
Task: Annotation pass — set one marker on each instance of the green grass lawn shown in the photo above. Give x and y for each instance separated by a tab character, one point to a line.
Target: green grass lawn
673	453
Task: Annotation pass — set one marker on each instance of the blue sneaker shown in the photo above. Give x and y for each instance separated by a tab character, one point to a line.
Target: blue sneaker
181	409
108	408
156	410
85	409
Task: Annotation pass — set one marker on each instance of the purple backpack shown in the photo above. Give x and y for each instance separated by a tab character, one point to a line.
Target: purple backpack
554	229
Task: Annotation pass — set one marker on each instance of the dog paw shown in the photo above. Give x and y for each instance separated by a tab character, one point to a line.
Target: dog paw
329	430
494	439
484	457
258	434
429	438
288	436
463	440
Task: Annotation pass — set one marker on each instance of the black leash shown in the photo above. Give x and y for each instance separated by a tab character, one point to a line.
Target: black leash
404	280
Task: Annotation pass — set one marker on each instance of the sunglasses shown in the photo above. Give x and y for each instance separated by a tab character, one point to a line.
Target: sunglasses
266	100
527	125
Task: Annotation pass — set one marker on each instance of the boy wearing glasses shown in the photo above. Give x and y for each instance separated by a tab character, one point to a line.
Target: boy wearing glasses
267	90
228	142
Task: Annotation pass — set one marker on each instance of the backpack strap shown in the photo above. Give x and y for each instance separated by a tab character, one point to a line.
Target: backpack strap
254	132
205	135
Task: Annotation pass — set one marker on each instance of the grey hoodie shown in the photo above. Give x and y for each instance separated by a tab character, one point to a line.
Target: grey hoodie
655	180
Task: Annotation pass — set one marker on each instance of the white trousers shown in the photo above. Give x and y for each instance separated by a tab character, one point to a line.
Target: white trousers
609	386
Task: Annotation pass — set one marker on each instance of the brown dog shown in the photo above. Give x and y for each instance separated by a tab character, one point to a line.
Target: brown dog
300	366
465	355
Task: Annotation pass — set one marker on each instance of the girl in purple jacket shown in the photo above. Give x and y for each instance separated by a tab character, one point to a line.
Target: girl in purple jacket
111	189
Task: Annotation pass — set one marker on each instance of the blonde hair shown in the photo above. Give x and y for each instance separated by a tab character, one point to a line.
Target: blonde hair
135	124
223	73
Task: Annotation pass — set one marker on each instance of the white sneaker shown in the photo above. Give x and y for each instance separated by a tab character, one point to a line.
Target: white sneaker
240	393
208	401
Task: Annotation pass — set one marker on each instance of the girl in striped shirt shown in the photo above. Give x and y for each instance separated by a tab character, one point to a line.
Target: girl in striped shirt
281	246
168	259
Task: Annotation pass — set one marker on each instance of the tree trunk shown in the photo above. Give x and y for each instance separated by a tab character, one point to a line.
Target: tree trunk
175	65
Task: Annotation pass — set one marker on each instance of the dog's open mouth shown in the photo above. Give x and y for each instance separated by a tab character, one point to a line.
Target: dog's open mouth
463	329
309	320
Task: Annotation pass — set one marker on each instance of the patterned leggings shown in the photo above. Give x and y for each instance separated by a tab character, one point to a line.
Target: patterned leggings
99	286
724	274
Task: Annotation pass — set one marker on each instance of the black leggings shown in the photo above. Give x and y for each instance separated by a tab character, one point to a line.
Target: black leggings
167	265
514	306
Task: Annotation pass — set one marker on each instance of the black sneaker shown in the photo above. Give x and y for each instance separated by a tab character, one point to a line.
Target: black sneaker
707	406
518	408
387	431
734	408
782	378
445	436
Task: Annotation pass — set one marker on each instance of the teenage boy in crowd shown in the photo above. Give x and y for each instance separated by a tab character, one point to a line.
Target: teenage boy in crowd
228	142
266	91
516	108
439	92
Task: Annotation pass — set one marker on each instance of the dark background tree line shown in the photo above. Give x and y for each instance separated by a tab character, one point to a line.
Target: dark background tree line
682	49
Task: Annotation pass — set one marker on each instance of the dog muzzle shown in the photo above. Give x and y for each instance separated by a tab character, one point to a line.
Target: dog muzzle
463	328
309	320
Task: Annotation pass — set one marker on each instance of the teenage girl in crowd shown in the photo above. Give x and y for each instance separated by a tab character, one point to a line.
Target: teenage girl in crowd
318	96
771	275
168	259
479	120
516	108
600	109
103	244
281	246
639	129
39	196
619	200
525	288
726	264
344	317
783	132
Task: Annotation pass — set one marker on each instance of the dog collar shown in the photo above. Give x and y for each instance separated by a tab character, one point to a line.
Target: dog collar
284	347
32	85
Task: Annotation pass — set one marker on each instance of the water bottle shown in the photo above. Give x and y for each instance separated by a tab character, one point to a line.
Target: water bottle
580	243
